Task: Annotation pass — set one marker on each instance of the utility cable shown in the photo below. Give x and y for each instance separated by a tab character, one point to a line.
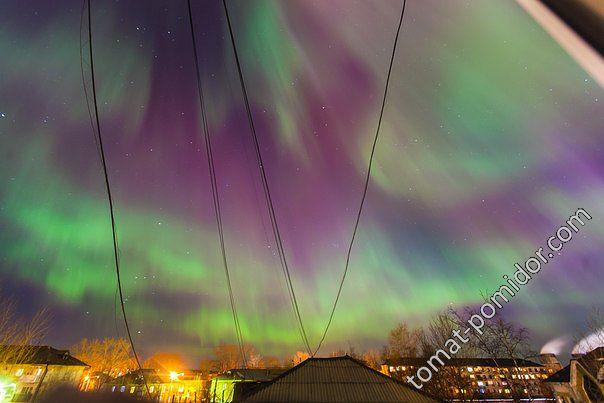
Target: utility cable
110	200
215	196
270	206
366	185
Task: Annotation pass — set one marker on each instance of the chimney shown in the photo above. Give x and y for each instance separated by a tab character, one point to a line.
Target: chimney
550	361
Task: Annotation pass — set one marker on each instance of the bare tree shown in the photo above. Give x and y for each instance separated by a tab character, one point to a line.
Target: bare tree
253	357
373	359
593	335
403	342
228	356
18	337
209	366
109	356
165	362
502	339
299	357
271	362
449	382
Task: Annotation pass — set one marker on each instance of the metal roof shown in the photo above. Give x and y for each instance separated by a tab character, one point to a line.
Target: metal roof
337	379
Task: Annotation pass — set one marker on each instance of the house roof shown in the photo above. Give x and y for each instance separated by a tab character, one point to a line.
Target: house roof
336	379
467	362
40	355
560	376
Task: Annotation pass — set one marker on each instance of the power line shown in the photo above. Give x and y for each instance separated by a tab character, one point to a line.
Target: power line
265	186
96	143
366	186
84	86
110	198
214	186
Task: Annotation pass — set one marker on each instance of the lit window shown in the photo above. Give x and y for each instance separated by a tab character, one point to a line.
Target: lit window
480	383
507	391
151	388
470	369
113	389
123	389
19	372
132	388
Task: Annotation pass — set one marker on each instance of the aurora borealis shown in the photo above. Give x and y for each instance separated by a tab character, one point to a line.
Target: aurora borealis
492	136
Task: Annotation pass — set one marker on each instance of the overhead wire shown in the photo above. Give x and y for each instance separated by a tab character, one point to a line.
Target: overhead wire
366	184
99	139
84	85
215	195
266	189
96	143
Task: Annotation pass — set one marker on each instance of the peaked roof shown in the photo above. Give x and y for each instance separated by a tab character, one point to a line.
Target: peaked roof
560	376
337	379
41	355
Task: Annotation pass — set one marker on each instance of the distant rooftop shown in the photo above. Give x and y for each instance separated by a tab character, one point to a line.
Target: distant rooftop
251	374
152	375
467	362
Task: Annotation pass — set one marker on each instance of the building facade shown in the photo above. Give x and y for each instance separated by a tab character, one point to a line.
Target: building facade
32	371
479	379
188	386
227	386
582	380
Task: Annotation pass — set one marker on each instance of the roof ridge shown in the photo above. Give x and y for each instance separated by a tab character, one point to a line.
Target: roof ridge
385	378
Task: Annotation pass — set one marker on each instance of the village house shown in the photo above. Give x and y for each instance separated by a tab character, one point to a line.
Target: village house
29	372
188	386
227	387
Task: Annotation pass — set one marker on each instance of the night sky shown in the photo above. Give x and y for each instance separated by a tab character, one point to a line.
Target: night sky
492	136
